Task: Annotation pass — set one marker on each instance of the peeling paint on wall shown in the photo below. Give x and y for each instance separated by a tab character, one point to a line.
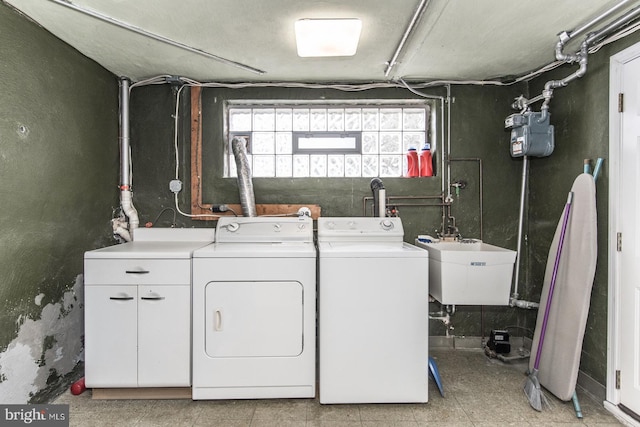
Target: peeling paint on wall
46	350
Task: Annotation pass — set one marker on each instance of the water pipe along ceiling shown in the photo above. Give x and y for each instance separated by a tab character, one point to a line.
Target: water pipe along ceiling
254	41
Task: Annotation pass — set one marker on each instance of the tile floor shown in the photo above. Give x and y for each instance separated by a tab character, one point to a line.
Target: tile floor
478	392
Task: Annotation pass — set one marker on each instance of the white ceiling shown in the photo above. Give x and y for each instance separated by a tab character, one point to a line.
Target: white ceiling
455	39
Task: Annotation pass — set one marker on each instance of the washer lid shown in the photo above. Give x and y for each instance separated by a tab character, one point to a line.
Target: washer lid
370	250
360	229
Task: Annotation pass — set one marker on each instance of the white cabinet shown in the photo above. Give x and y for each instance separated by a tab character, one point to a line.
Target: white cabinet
110	336
137	323
164	336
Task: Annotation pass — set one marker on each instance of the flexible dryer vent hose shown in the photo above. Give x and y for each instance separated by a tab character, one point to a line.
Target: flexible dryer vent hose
245	185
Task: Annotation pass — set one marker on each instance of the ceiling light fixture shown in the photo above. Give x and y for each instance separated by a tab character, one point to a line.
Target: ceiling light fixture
327	37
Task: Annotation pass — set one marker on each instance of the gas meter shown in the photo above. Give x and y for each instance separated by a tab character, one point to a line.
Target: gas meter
531	134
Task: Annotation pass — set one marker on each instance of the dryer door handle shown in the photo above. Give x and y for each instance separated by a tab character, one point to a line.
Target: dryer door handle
217	320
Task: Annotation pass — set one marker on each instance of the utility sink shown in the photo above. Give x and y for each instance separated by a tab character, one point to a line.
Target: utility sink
469	272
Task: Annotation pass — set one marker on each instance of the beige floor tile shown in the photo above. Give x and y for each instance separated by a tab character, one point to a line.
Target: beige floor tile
216	410
479	392
446	410
277	423
387	412
333	423
282	410
389	423
333	413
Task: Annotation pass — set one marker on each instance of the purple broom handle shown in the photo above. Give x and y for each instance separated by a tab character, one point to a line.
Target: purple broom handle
565	221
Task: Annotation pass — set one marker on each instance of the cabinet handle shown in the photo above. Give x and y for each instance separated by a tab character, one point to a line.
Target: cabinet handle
121	298
137	271
152	298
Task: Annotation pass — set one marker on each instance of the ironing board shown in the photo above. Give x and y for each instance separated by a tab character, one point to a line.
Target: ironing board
560	358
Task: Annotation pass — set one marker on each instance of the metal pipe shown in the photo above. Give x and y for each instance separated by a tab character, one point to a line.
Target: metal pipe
126	196
480	187
594	21
549	86
444	315
523	189
448	186
452	222
154	36
417	15
614	25
125	160
390	198
245	186
514	301
582	55
379	197
565	37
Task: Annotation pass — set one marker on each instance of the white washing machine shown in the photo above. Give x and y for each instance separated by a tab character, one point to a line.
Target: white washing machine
373	299
254	310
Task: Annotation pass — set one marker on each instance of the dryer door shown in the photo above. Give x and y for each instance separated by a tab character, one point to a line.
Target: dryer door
253	319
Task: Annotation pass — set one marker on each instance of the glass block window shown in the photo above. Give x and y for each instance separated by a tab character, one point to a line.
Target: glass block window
331	140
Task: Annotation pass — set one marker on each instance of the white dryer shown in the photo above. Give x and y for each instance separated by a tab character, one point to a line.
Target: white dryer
373	299
254	310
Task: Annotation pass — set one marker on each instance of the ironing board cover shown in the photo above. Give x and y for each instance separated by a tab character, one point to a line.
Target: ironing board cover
560	358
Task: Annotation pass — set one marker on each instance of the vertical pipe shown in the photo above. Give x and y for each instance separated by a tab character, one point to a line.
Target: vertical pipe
245	185
523	189
448	141
126	196
480	187
125	160
382	203
446	194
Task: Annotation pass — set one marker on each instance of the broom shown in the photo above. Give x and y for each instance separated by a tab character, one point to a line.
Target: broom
532	386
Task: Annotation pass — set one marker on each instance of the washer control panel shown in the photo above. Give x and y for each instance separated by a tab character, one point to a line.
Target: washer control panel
360	228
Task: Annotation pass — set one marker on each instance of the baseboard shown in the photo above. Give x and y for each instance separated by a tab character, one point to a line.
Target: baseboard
453	342
142	393
592	387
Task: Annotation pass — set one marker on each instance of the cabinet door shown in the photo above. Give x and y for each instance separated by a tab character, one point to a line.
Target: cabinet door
110	336
253	319
164	336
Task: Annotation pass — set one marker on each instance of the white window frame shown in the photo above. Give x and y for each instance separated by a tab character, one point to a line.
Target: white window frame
299	162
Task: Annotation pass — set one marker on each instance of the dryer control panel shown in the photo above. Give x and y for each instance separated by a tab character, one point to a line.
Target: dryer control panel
264	229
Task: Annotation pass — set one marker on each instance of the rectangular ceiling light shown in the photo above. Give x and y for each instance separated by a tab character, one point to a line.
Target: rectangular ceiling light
327	37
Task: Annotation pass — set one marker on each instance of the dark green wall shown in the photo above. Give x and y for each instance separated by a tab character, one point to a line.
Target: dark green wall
580	114
59	154
59	172
477	132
